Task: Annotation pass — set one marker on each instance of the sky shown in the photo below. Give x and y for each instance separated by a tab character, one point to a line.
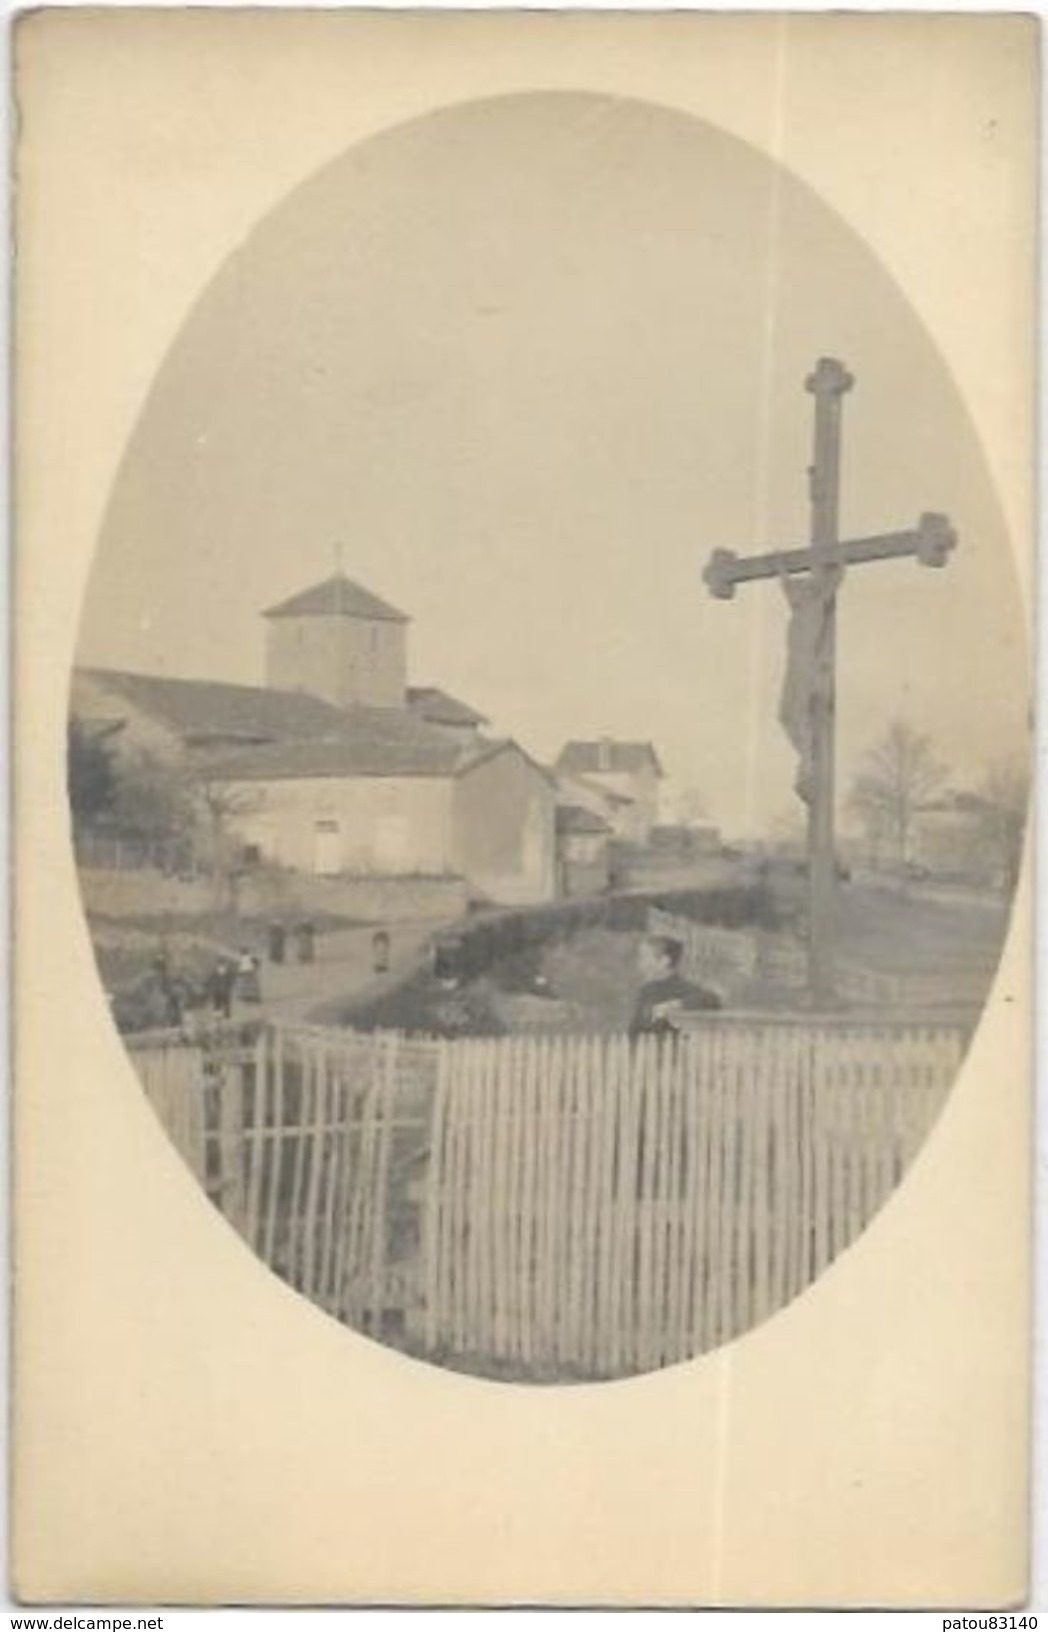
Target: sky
525	363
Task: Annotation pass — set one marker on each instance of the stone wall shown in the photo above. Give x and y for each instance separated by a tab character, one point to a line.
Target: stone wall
147	893
371	900
143	892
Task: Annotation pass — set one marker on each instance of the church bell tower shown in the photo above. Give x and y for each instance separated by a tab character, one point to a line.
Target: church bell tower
338	642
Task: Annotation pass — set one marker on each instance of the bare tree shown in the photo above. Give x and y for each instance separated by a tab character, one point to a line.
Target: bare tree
179	809
900	777
1002	798
218	805
153	804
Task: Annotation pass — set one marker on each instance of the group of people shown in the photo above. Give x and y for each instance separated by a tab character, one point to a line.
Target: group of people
231	979
662	1001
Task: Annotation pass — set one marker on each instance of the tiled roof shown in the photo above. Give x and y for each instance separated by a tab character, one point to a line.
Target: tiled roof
591	758
574	819
337	597
373	742
261	734
488	747
338	757
601	790
430	703
361	742
200	710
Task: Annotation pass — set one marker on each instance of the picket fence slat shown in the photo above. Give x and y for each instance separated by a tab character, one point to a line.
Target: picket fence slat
275	1121
619	1107
329	1156
527	1111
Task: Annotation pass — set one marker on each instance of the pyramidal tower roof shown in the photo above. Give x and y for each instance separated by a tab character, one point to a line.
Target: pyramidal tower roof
338	596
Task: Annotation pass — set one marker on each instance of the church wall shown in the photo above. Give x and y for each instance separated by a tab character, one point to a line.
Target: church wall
371	826
343	660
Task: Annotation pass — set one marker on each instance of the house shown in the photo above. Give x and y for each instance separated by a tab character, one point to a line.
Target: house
630	770
957	836
582	851
589	795
336	765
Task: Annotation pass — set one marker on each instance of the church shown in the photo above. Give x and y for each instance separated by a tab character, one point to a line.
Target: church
336	766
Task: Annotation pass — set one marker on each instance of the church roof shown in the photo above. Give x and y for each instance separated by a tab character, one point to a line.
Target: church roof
591	758
337	597
431	703
371	742
203	710
362	741
339	756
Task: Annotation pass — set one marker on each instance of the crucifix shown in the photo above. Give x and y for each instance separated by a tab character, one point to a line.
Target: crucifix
811	578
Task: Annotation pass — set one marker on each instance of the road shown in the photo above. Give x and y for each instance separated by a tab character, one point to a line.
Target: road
344	965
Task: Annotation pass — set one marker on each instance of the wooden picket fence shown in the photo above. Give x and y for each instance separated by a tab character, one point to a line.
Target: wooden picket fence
306	1139
597	1207
555	1206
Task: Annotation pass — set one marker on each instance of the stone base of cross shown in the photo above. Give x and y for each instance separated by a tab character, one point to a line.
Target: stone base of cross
811	577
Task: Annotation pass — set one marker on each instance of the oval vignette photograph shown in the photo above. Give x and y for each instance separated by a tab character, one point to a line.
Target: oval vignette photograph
548	749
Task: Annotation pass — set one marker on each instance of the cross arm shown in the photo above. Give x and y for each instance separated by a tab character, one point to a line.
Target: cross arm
931	541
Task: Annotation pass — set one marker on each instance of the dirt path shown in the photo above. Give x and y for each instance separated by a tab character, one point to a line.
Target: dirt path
344	965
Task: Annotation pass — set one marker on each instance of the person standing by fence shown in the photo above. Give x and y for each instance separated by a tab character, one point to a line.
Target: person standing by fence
248	986
665	993
171	997
380	950
220	989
